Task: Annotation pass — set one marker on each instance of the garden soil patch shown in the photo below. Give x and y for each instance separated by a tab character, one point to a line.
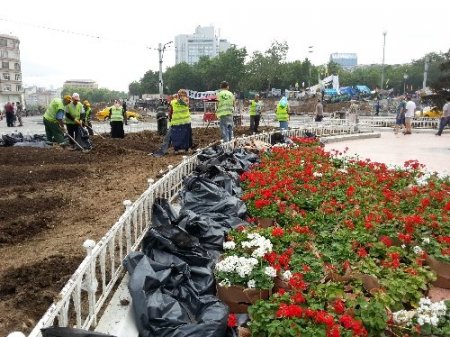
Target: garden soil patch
52	200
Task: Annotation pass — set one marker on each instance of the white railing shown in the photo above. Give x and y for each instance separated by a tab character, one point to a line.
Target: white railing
417	123
83	297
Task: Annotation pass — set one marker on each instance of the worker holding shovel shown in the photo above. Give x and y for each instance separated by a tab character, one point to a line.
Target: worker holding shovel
73	115
54	120
86	117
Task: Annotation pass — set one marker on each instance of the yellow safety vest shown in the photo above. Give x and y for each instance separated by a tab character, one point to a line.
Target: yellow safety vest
116	114
74	111
55	105
252	110
282	114
225	103
180	113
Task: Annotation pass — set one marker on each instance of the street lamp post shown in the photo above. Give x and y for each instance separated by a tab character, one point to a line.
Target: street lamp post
310	51
161	49
382	63
405	77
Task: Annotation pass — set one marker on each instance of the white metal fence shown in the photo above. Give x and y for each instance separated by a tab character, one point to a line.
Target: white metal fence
84	296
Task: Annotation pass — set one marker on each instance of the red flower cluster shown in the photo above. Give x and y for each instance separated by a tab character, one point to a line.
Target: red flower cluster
350	323
232	321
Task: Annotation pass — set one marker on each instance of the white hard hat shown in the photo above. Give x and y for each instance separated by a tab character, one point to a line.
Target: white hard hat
76	96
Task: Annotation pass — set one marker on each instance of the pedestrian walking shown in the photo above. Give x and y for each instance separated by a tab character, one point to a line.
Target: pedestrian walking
19	113
225	109
319	111
9	114
445	119
409	114
400	117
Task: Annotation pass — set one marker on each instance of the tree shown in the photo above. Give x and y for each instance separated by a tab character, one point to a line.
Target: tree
150	83
180	76
442	83
134	89
100	95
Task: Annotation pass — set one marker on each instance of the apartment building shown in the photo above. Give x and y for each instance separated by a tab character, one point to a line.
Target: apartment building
204	42
10	72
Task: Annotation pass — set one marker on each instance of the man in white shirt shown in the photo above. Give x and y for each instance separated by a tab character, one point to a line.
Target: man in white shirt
409	114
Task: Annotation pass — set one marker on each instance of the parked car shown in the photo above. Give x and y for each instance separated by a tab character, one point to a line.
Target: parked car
103	115
430	111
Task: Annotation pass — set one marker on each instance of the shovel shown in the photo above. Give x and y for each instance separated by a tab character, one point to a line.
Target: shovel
81	148
95	133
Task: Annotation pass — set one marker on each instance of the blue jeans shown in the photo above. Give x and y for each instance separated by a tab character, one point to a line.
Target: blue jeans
284	125
226	127
443	122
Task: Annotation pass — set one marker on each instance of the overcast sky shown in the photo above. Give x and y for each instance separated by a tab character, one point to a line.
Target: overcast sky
114	43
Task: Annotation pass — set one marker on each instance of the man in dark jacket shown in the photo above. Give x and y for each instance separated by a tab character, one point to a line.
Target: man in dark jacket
9	112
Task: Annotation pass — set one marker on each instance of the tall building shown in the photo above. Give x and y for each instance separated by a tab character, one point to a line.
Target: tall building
345	60
204	42
10	71
81	84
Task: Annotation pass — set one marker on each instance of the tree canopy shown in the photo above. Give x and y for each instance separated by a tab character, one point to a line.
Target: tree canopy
100	95
269	69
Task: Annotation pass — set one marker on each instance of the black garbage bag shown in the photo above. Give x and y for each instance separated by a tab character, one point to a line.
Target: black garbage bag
166	303
210	233
202	278
228	180
201	195
82	138
226	220
176	241
162	213
238	160
210	153
245	158
10	140
70	332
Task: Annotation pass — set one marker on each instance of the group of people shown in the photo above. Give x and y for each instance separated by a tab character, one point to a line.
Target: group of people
13	112
69	113
405	113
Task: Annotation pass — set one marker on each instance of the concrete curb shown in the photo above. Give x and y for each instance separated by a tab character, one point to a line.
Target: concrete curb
342	138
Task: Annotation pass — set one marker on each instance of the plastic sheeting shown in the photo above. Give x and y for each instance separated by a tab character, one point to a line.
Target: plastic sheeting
172	282
202	195
162	213
166	302
18	139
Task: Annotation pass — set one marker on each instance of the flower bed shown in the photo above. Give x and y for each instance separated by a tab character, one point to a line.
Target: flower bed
350	245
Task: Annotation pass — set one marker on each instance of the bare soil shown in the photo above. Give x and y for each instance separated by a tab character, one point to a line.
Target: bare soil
52	200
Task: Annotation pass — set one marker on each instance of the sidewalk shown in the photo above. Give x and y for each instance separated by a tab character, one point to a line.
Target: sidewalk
428	149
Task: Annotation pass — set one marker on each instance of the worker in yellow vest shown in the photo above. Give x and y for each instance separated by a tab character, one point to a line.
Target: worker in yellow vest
86	117
255	113
180	122
54	120
73	117
117	117
282	113
225	109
